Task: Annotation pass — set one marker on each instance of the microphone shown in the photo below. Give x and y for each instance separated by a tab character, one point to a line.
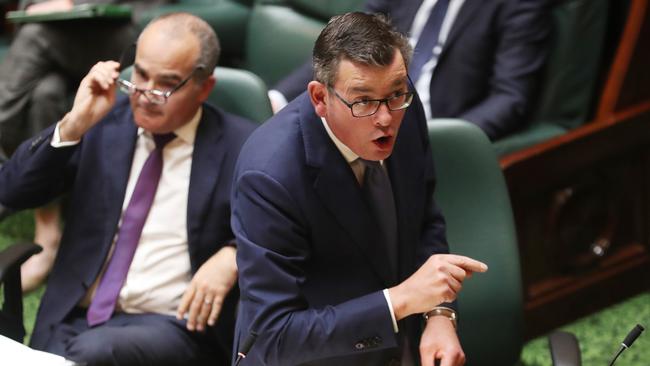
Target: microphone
246	346
627	343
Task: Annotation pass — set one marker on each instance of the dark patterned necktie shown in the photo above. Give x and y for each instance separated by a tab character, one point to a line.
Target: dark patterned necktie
379	195
103	303
428	39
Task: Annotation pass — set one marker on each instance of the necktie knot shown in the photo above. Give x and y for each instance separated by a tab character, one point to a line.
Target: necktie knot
162	139
372	168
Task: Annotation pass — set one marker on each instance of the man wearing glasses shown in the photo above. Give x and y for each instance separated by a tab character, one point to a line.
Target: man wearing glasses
147	258
341	249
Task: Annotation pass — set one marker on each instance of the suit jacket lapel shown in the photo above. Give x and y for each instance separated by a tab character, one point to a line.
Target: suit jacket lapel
206	166
339	191
119	141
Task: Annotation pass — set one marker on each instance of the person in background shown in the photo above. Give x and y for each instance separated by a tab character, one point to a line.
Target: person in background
340	246
38	76
147	262
476	60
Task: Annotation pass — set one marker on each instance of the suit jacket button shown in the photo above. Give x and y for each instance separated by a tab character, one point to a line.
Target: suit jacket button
359	345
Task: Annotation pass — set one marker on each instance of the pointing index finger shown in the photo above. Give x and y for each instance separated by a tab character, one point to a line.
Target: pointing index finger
468	263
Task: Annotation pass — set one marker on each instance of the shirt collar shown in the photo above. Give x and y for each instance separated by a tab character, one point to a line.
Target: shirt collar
347	153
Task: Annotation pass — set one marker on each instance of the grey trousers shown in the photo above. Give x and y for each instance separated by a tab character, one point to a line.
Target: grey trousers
43	67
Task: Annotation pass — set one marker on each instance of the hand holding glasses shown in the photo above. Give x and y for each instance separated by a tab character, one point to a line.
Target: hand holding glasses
154	96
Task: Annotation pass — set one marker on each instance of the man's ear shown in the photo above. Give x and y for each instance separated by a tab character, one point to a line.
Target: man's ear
206	88
318	96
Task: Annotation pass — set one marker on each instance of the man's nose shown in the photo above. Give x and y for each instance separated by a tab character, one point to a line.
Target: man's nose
384	116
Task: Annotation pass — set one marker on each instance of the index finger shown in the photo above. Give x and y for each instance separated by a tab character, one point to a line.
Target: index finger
184	306
467	263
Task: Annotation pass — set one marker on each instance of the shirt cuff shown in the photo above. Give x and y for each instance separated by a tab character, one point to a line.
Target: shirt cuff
278	100
56	139
392	312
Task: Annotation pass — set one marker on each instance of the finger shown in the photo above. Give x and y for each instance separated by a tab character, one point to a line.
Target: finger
185	302
108	70
458	273
195	308
446	360
454	285
108	76
214	313
427	358
467	263
204	313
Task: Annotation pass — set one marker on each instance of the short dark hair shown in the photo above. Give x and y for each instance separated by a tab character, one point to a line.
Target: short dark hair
209	45
369	39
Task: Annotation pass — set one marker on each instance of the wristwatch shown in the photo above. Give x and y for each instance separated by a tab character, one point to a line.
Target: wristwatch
442	311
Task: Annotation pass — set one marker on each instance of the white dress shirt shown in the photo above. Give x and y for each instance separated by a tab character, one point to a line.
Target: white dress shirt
160	271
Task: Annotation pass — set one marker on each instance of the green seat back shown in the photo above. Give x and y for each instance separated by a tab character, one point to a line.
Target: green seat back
237	91
472	195
325	9
242	93
229	19
279	40
281	34
570	75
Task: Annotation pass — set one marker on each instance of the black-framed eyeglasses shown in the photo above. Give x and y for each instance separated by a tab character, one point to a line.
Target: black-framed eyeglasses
155	96
368	107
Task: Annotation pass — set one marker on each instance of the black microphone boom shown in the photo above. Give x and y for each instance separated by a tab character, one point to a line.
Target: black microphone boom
627	343
246	346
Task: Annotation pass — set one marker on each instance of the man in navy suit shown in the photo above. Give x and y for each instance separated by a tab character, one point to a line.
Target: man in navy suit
484	63
174	306
332	273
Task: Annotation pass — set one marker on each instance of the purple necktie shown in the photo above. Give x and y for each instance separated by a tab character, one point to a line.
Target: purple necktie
428	39
103	303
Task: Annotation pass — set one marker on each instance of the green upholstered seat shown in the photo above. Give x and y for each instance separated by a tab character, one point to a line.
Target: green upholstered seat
229	18
570	75
242	93
281	34
237	91
472	194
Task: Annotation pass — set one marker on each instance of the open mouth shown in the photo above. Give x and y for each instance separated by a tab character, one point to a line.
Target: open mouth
383	142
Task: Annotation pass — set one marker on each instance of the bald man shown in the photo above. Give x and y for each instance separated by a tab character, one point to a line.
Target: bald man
147	259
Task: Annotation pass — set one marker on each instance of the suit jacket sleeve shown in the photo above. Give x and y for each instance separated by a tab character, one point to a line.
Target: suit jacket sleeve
273	251
519	57
377	6
37	172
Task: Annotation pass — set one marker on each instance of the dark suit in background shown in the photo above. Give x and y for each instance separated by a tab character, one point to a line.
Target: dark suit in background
488	70
95	173
45	63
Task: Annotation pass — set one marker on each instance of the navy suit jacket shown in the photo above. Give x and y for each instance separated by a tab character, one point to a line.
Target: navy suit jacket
490	64
311	273
95	174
